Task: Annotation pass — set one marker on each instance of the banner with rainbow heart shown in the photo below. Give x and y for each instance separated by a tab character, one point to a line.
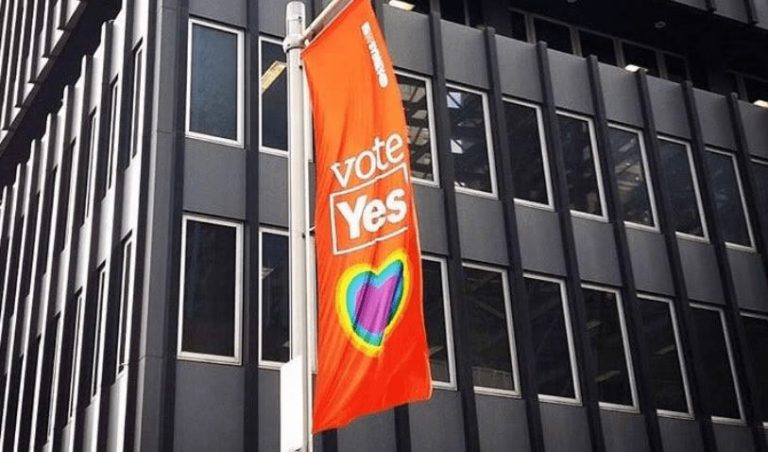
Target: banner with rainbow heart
372	346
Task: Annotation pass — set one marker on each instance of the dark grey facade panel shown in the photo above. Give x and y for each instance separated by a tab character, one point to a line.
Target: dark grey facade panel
755	119
375	433
519	73
273	190
464	54
502	423
733	438
668	108
570	82
565	428
596	251
271	15
624	432
431	211
540	243
649	262
622	102
230	12
437	424
680	434
214	180
408	40
715	121
702	277
749	280
481	228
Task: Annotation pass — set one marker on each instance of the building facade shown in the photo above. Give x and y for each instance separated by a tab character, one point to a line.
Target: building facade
592	188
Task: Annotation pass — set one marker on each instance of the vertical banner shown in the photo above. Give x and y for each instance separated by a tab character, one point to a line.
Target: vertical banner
372	347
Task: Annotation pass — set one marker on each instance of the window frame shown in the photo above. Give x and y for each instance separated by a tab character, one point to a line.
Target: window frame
732	364
137	106
448	320
603	218
125	306
569	334
239	142
494	193
550	205
102	299
265	363
55	380
515	392
91	166
114	130
648	179
533	36
432	134
635	407
680	358
696	189
764	318
182	355
77	354
742	201
262	148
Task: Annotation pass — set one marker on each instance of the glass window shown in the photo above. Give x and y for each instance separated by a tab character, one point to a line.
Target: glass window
582	168
56	391
97	353
518	26
214	83
667	368
552	339
46	383
757	346
641	57
137	107
530	166
683	188
87	164
608	340
453	11
756	89
732	214
557	36
635	191
274	96
114	111
677	69
211	290
470	141
77	350
490	328
126	307
275	293
417	104
719	374
761	184
437	320
598	45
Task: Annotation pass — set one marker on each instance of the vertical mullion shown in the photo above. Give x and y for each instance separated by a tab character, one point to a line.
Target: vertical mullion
459	313
736	331
639	352
586	364
520	304
690	343
758	217
251	327
753	16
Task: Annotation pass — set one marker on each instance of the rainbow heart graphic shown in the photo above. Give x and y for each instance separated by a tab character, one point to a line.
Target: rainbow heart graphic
370	301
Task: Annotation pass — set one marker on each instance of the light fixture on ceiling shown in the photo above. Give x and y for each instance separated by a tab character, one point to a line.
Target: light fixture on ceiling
659	24
632	67
401	4
761	103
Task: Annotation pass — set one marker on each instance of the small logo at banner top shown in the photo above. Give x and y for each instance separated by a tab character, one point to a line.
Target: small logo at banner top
370	301
373	49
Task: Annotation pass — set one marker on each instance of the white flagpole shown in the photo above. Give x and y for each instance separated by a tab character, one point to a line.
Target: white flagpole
295	436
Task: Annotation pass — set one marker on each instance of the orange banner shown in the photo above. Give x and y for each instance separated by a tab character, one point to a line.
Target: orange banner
372	347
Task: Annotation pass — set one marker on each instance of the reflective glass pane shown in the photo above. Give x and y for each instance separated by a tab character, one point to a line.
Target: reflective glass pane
274	97
209	289
488	329
580	167
599	46
416	106
730	205
679	183
718	376
607	341
275	312
469	140
557	36
213	82
628	159
550	339
757	346
518	26
677	69
434	318
665	373
528	165
756	89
